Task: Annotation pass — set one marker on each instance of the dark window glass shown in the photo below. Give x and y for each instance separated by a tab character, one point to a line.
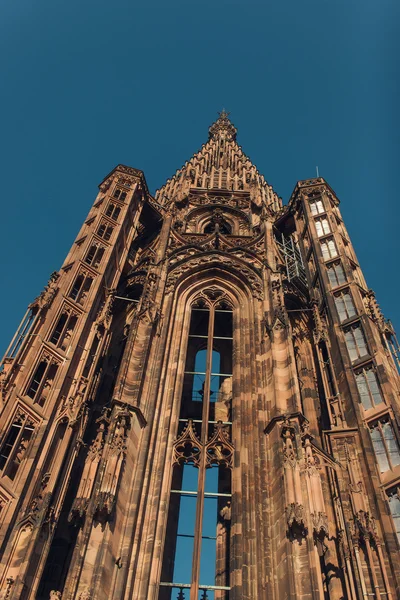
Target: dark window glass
59	328
15	444
36	379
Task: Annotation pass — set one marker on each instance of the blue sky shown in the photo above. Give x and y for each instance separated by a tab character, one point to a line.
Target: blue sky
89	84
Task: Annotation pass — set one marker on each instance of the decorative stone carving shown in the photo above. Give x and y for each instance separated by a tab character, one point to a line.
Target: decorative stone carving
295	517
178	225
373	310
5	387
73	407
38	509
45	299
289	455
223	127
188	445
9	583
293	500
226	512
219	449
218	260
314	485
319	522
320	329
210	198
222	168
364	526
104	501
310	462
55	595
81	502
106	185
105	314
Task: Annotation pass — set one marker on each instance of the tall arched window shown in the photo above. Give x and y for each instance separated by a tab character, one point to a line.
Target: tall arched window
196	552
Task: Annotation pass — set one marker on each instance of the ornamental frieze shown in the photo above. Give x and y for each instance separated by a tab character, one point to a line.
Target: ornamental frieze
233	200
211	243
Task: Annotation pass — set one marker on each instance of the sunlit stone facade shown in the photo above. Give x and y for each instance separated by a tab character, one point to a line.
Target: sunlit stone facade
203	403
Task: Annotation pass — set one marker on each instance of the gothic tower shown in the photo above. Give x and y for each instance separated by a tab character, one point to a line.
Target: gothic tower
203	401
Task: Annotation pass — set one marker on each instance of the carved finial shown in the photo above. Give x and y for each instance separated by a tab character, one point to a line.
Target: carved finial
223	128
223	114
9	581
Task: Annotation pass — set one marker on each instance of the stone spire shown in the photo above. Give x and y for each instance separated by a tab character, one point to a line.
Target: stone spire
222	128
220	164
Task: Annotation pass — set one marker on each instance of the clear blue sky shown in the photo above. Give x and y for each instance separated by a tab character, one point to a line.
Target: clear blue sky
92	83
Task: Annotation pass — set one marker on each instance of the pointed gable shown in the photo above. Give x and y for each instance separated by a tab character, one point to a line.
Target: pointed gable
220	164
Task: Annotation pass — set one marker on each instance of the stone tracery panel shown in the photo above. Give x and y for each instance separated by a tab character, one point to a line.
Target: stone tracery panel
218	260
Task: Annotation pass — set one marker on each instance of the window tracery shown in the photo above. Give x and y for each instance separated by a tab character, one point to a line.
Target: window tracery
43	378
196	552
81	287
16	441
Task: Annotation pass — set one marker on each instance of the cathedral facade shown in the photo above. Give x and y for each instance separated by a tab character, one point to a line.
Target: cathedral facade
203	402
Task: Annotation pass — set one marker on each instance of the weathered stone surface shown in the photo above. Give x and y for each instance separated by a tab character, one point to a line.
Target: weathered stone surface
93	436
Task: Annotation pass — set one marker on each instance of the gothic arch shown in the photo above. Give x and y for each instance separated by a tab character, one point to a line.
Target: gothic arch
225	225
198	218
228	264
245	383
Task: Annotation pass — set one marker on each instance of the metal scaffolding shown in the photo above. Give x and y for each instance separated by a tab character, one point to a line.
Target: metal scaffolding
294	263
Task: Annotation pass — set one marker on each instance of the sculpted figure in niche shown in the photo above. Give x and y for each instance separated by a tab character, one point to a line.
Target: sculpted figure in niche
223	403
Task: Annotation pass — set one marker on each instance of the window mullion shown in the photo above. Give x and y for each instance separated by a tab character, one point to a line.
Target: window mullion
194	590
64	329
383	438
42	382
371	396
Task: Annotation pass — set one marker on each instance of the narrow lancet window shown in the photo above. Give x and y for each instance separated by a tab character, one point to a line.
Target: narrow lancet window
113	211
355	341
94	255
322	226
120	194
15	444
80	288
42	380
368	388
197	546
328	249
336	274
386	446
316	207
63	330
104	232
344	305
